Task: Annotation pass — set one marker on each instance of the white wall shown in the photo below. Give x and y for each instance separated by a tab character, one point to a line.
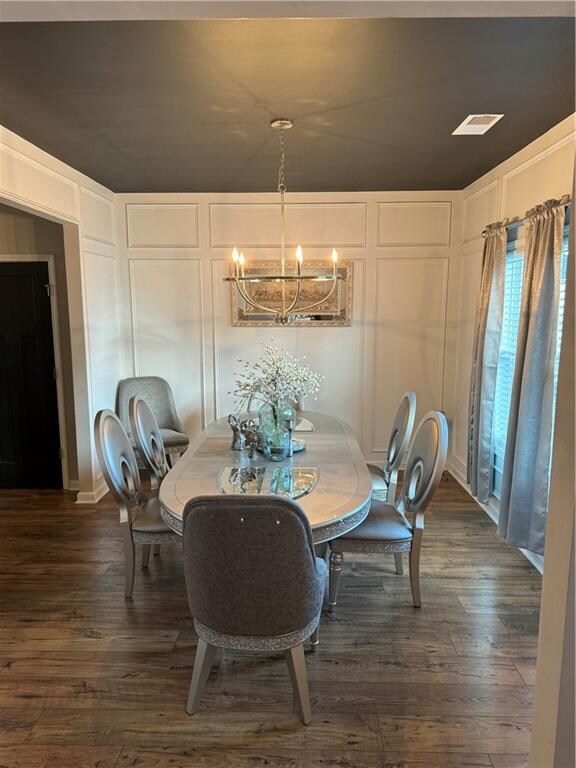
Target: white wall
36	182
175	250
540	171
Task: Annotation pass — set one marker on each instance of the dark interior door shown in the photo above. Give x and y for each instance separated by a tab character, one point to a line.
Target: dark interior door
29	437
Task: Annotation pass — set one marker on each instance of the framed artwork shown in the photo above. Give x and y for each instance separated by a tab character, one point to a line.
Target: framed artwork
335	311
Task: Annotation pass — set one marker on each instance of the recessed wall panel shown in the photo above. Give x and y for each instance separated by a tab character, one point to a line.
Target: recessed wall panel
167	328
409	338
155	225
414	223
97	217
480	209
314	225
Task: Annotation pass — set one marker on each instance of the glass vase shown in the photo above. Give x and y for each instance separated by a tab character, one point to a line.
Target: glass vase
275	436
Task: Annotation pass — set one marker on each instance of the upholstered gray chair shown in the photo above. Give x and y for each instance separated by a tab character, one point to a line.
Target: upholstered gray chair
253	583
148	439
385	478
140	519
157	393
397	529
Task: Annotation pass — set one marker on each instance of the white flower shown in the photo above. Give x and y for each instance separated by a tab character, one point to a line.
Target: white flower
275	376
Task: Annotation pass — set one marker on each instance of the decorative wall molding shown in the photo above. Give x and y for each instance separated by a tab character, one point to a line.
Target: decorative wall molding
162	225
33	184
520	183
417	223
97	217
311	225
409	343
480	209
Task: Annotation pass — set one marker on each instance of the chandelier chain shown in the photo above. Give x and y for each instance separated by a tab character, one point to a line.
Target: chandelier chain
282	168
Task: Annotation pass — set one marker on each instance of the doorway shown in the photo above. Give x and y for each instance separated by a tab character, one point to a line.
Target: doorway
30	451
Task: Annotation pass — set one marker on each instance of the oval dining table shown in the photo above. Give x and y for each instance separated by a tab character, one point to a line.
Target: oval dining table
331	464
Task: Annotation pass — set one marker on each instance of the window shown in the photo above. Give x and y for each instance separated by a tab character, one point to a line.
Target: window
513	279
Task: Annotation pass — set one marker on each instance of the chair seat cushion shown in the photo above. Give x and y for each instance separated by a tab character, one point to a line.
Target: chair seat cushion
173	439
384	523
378	482
148	519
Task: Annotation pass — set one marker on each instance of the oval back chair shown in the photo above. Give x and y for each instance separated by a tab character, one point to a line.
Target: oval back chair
398	529
148	438
140	519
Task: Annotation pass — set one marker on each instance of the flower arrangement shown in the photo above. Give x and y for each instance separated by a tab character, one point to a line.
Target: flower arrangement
276	377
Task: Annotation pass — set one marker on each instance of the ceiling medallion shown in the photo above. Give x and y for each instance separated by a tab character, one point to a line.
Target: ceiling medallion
289	273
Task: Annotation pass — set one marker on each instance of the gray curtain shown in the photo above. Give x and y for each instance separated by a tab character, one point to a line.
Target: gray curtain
526	472
485	360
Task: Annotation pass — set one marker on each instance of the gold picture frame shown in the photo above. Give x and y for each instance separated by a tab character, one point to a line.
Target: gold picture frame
336	312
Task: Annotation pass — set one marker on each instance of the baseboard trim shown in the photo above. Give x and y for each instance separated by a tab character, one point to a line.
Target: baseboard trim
536	560
93	497
73	485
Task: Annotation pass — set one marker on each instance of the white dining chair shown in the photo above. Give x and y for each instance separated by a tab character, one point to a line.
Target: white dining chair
398	529
140	519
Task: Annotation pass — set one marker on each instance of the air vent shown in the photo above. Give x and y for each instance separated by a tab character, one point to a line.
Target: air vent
476	125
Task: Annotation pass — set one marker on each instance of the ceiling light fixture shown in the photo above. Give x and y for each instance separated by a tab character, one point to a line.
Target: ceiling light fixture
290	275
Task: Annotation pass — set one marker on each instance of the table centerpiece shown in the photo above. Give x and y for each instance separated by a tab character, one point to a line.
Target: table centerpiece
277	381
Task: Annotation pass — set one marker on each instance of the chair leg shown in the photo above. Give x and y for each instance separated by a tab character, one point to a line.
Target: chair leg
315	639
336	560
205	655
145	555
129	560
297	668
218	656
398	561
156	549
415	571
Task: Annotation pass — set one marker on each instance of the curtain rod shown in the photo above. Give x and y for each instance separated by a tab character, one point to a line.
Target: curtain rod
515	222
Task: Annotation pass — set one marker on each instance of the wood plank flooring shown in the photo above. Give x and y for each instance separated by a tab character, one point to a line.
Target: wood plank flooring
89	680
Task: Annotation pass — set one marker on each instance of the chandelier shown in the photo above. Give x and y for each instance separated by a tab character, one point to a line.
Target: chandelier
285	309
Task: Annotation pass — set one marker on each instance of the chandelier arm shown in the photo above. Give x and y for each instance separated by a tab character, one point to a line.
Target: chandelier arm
296	297
249	300
317	303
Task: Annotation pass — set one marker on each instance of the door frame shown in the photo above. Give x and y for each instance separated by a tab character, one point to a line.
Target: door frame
54	288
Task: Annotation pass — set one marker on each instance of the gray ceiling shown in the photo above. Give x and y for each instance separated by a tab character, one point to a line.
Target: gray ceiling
185	106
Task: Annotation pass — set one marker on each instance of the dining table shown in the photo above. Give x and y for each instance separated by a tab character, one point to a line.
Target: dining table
327	474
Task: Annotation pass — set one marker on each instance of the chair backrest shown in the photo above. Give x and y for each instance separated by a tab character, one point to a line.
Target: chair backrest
249	565
425	464
147	436
157	393
117	459
401	432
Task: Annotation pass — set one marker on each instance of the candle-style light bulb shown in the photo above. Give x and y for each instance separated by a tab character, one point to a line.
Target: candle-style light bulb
299	259
334	260
235	258
241	261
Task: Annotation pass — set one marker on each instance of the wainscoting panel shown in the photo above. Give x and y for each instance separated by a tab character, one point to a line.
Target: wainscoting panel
318	225
162	226
97	217
104	337
166	300
409	338
548	173
480	209
414	223
36	185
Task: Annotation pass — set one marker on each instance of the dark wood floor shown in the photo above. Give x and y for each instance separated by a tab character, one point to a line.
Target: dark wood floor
87	679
